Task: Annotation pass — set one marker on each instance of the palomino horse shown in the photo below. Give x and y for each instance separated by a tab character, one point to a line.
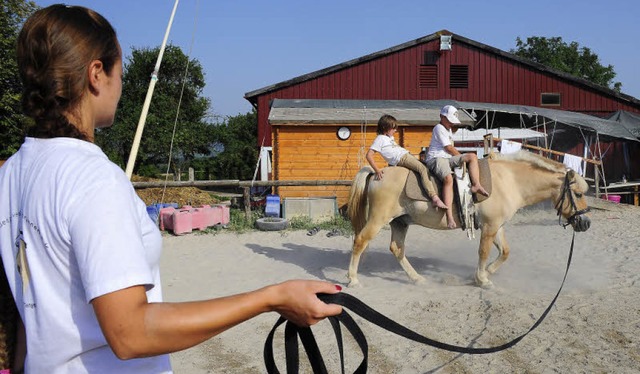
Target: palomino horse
518	180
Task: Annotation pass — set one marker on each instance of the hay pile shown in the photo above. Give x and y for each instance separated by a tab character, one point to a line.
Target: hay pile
182	195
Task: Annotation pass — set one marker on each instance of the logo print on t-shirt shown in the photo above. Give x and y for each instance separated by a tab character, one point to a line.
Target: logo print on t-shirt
21	262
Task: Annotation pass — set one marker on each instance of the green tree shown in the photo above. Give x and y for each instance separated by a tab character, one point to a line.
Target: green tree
12	15
193	135
569	58
236	140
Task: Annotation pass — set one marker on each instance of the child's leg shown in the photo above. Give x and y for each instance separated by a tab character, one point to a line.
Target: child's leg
447	195
412	163
474	173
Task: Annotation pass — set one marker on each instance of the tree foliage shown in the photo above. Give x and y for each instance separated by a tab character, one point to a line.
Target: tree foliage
175	94
238	138
13	13
569	58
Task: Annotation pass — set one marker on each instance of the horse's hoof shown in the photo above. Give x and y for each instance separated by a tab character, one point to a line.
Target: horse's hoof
419	280
486	285
354	284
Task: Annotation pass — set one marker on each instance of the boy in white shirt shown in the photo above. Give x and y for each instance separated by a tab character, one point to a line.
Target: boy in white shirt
443	157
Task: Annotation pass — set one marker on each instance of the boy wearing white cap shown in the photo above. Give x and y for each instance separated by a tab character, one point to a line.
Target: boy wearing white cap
443	157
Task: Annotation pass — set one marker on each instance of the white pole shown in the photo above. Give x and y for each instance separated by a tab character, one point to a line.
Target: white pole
147	100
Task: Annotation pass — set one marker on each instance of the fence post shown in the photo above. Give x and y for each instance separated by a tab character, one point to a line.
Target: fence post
247	202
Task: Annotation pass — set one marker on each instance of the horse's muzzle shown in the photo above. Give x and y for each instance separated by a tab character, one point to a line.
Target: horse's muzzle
580	223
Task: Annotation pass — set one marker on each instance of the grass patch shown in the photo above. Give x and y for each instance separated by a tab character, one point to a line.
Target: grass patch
339	222
238	223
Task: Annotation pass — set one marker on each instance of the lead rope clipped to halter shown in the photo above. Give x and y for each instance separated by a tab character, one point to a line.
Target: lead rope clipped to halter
566	191
292	332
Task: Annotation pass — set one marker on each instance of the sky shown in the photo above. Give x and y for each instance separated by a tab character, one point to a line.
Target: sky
247	45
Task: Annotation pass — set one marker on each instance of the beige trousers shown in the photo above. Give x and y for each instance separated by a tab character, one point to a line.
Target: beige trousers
412	163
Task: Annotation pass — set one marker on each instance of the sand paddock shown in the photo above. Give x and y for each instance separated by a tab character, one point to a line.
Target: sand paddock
593	327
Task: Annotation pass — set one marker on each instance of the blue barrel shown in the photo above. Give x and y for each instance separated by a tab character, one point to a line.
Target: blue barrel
272	208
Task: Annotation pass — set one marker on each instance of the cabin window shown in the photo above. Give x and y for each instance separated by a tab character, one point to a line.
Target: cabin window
550	99
459	76
428	76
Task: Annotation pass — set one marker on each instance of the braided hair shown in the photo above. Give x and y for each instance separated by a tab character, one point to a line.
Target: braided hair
54	49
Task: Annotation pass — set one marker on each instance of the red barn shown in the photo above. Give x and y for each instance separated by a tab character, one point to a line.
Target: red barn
440	66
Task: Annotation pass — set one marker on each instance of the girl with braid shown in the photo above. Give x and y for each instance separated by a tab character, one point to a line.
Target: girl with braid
78	248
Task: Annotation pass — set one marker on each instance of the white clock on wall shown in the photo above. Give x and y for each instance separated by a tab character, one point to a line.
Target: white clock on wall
344	133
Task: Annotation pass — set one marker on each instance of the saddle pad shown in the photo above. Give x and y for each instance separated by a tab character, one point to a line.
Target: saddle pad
413	186
414	190
485	179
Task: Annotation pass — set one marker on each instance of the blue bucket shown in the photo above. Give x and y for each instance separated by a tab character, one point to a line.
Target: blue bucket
272	208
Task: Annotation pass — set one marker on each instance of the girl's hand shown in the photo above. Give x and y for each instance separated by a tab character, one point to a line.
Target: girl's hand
297	301
379	175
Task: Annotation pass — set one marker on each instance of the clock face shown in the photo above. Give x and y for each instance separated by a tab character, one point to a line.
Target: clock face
344	133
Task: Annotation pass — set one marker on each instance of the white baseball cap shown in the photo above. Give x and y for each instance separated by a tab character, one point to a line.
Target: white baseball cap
451	113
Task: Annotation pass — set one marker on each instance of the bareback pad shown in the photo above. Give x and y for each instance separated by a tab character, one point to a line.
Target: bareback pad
415	191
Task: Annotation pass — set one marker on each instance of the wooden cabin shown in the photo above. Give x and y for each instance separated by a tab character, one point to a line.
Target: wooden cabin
328	139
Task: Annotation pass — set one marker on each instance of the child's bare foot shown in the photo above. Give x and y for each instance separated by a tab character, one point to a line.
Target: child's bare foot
451	223
479	189
435	199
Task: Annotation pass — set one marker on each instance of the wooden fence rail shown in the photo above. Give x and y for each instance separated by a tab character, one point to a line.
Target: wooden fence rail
244	185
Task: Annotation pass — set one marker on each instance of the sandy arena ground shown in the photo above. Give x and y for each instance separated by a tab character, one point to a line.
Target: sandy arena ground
593	327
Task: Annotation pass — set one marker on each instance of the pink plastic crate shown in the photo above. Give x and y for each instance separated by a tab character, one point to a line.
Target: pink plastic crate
202	217
225	214
182	222
188	218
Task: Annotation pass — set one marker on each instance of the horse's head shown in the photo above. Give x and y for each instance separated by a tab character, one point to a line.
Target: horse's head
571	203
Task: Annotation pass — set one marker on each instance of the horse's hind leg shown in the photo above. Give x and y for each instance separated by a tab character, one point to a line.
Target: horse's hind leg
398	234
503	248
360	243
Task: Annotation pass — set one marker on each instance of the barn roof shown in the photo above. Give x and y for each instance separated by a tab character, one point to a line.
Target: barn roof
252	95
310	111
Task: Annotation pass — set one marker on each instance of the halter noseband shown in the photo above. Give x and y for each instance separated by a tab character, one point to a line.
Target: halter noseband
566	191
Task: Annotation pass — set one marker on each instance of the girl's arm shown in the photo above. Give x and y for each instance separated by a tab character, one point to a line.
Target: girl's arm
372	162
135	328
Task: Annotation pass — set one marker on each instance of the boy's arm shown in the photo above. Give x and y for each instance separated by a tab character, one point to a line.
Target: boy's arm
451	150
372	162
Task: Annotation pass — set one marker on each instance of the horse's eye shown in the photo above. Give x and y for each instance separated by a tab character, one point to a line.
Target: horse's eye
578	195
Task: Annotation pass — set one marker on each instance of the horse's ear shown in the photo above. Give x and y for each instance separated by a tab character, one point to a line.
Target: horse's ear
571	174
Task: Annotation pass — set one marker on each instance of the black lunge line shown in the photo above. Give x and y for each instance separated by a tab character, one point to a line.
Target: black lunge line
358	307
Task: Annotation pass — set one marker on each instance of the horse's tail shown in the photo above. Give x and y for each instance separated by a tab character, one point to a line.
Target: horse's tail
357	205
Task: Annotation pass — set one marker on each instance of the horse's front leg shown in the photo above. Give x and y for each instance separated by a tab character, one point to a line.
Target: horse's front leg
503	248
360	243
398	235
486	241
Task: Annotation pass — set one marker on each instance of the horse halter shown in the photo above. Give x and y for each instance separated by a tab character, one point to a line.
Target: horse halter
566	193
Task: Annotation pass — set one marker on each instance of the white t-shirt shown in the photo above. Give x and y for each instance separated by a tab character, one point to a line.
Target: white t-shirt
440	138
389	150
84	232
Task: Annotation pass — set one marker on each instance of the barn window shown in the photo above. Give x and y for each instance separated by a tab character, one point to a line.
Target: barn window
550	99
459	76
429	76
431	57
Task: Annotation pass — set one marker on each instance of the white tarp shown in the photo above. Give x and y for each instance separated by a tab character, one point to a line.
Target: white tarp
464	135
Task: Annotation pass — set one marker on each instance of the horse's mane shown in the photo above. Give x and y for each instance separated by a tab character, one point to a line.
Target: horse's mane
532	158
